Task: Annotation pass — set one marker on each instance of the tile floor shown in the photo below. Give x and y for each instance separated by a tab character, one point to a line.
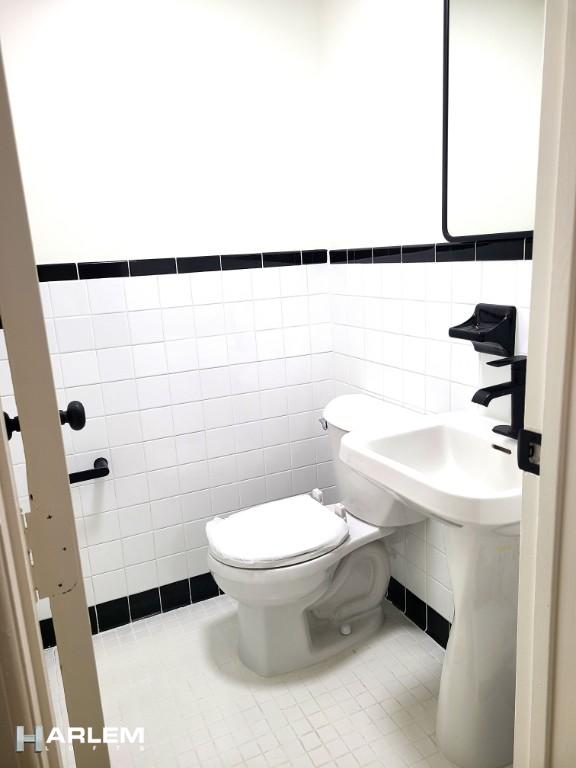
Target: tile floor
179	676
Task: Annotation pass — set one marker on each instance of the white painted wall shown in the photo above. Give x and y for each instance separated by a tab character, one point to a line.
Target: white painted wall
154	128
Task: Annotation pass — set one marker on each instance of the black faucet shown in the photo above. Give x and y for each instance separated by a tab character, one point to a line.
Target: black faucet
516	387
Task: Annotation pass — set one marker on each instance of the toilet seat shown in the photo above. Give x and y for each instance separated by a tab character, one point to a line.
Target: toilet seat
276	534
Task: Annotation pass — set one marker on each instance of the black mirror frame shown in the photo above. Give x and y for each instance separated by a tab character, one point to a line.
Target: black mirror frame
461	238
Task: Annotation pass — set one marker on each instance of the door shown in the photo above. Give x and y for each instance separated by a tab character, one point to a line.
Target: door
50	560
546	669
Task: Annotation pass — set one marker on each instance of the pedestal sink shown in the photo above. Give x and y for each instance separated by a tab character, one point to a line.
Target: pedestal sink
454	468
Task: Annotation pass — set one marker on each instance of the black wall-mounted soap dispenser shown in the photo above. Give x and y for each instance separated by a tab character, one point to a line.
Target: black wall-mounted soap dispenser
491	329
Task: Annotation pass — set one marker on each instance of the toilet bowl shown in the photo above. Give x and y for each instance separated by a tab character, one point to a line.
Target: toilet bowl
310	579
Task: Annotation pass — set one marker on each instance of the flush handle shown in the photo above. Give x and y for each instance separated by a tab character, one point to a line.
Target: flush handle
323	423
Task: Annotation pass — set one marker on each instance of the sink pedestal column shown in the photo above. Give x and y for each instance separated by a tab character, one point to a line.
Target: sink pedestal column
475	727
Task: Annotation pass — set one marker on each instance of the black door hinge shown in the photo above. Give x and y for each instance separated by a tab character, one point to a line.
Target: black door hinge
529	447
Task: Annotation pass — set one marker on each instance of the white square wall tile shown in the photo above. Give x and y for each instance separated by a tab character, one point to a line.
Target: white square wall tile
160	453
115	364
79	368
119	397
193	477
146	326
106	295
169	541
172	568
196	505
185	387
182	355
142	292
135	520
149	360
102	527
237	285
209	320
166	512
218	412
74	334
174	291
239	316
163	483
215	382
124	428
109	586
154	392
157	423
141	577
197	561
111	330
131	491
191	447
195	534
206	287
188	417
69	298
178	323
106	557
128	460
212	352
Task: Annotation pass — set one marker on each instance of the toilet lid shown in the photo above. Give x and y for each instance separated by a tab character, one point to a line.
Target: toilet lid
283	532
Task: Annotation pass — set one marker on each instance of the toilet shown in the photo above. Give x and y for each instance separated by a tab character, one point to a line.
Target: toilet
310	579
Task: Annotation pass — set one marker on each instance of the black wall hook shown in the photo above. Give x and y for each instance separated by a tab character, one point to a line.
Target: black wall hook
74	416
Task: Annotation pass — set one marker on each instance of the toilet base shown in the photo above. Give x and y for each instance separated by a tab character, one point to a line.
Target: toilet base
341	612
274	641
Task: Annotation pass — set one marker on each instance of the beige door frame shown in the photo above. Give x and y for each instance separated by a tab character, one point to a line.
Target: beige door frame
545	734
51	533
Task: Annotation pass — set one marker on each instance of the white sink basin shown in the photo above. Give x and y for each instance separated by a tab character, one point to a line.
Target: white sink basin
450	466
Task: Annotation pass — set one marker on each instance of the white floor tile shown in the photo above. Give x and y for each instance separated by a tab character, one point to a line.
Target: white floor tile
179	676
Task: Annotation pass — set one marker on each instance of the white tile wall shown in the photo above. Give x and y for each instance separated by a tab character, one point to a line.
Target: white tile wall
390	339
187	381
204	392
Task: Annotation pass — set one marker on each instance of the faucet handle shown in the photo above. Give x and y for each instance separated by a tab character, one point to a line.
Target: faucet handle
502	361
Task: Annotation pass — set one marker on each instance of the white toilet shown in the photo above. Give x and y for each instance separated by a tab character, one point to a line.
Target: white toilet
310	579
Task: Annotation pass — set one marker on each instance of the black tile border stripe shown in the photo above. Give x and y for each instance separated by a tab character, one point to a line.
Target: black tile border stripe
415	609
515	249
57	272
94	270
282	259
146	267
127	610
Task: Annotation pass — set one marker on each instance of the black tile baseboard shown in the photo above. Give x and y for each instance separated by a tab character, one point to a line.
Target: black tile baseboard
423	615
126	610
144	604
480	250
175	595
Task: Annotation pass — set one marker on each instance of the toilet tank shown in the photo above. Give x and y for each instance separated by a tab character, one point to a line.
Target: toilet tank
361	497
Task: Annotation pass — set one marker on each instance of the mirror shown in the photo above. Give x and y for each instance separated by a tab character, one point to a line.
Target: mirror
493	52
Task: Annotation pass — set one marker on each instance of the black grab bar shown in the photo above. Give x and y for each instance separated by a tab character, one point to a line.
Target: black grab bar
101	469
